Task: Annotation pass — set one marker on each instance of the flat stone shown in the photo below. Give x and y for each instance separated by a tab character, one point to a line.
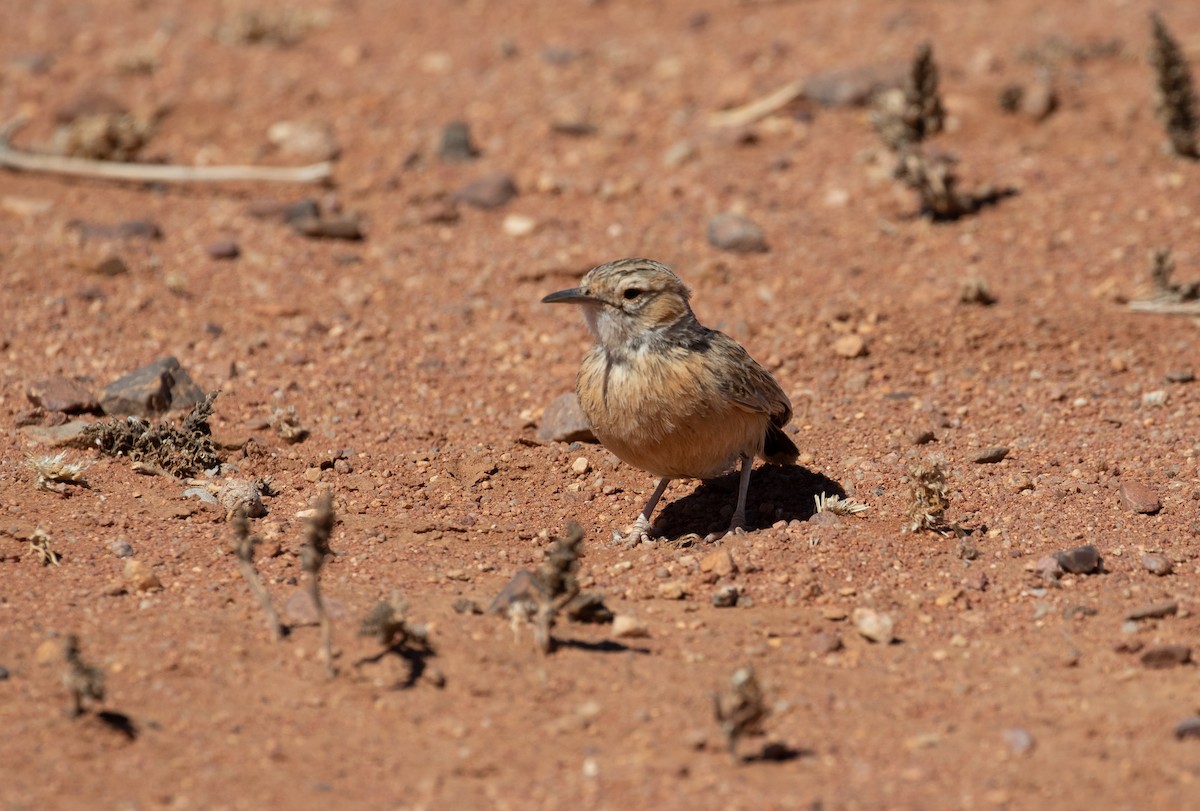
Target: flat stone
69	435
330	226
1188	728
489	191
853	86
1080	560
1161	657
850	346
719	562
734	232
824	643
63	394
990	456
1156	564
223	249
564	421
625	626
455	145
1139	498
109	267
158	387
128	229
1153	611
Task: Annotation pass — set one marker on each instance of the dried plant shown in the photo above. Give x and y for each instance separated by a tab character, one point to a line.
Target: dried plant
388	623
839	505
743	711
1175	96
1162	267
56	474
538	596
906	117
243	547
83	681
39	545
927	499
312	558
270	26
182	451
287	425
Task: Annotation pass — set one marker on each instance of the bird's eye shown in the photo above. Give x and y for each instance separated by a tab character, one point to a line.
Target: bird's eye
632	293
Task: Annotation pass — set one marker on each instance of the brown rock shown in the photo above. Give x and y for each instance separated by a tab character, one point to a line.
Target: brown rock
489	191
1156	564
109	267
1139	498
824	643
850	346
734	232
719	562
990	456
223	249
161	386
141	577
1153	611
1080	560
63	394
69	435
564	421
1161	657
853	86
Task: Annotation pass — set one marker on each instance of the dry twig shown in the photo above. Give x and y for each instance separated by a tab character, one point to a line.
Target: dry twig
743	711
1175	95
312	558
1169	298
243	547
83	681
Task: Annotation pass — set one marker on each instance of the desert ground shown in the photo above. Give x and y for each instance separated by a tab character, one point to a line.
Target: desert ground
380	337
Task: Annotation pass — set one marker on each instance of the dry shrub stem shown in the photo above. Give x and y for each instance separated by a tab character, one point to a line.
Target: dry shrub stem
243	547
312	558
182	452
743	711
1175	94
83	681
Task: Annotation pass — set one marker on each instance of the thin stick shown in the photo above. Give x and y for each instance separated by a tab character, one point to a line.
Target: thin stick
759	108
1165	307
152	172
244	549
312	557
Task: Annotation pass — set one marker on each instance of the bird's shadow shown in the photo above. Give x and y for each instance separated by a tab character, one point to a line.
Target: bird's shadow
416	657
777	493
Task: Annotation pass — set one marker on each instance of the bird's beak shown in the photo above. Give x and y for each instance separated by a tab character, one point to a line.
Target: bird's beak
576	295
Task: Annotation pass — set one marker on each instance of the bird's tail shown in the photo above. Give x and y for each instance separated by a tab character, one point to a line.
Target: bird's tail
778	448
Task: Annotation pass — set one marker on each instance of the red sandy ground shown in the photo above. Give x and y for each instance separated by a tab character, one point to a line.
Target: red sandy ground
425	353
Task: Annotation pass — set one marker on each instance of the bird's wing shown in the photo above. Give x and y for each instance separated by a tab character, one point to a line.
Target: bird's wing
747	384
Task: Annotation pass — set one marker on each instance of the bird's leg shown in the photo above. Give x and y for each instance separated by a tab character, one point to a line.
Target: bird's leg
745	464
641	532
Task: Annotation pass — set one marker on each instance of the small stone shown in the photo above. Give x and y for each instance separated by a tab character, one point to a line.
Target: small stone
489	191
1019	740
923	437
1156	564
223	249
833	613
73	434
990	456
678	154
241	494
1181	376
161	386
519	225
121	549
3	673
1188	728
141	577
1039	100
465	605
1018	482
346	226
1080	560
876	626
129	229
850	346
1139	498
1153	611
719	562
309	140
1048	567
725	597
824	643
734	232
853	86
564	421
109	267
1161	657
581	466
455	145
48	651
673	590
625	626
25	206
825	518
63	394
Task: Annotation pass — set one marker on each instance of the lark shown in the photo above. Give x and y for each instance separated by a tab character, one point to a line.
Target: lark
668	395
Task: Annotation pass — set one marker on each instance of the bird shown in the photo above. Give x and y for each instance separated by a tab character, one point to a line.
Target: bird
668	395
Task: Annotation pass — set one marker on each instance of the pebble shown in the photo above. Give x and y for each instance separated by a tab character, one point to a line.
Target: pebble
671	591
63	394
1181	376
725	597
1153	611
824	643
1019	740
161	386
580	466
244	494
1188	728
489	191
626	626
564	421
850	346
3	673
678	154
853	86
1048	567
223	249
990	456
309	140
141	577
734	232
109	267
69	435
455	145
1156	564
876	626
923	437
833	613
1139	498
129	229
1163	656
720	562
519	225
25	206
1039	99
1080	560
346	226
121	549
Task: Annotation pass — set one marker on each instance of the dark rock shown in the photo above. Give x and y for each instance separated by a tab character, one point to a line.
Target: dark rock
489	191
923	437
1080	560
121	549
3	673
330	226
129	229
455	145
733	232
223	249
725	597
1139	498
990	456
1161	657
1181	376
1153	611
63	394
1156	564
563	421
465	605
161	386
1188	728
109	267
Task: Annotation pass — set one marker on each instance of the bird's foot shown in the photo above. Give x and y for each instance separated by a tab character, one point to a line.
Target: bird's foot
639	533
